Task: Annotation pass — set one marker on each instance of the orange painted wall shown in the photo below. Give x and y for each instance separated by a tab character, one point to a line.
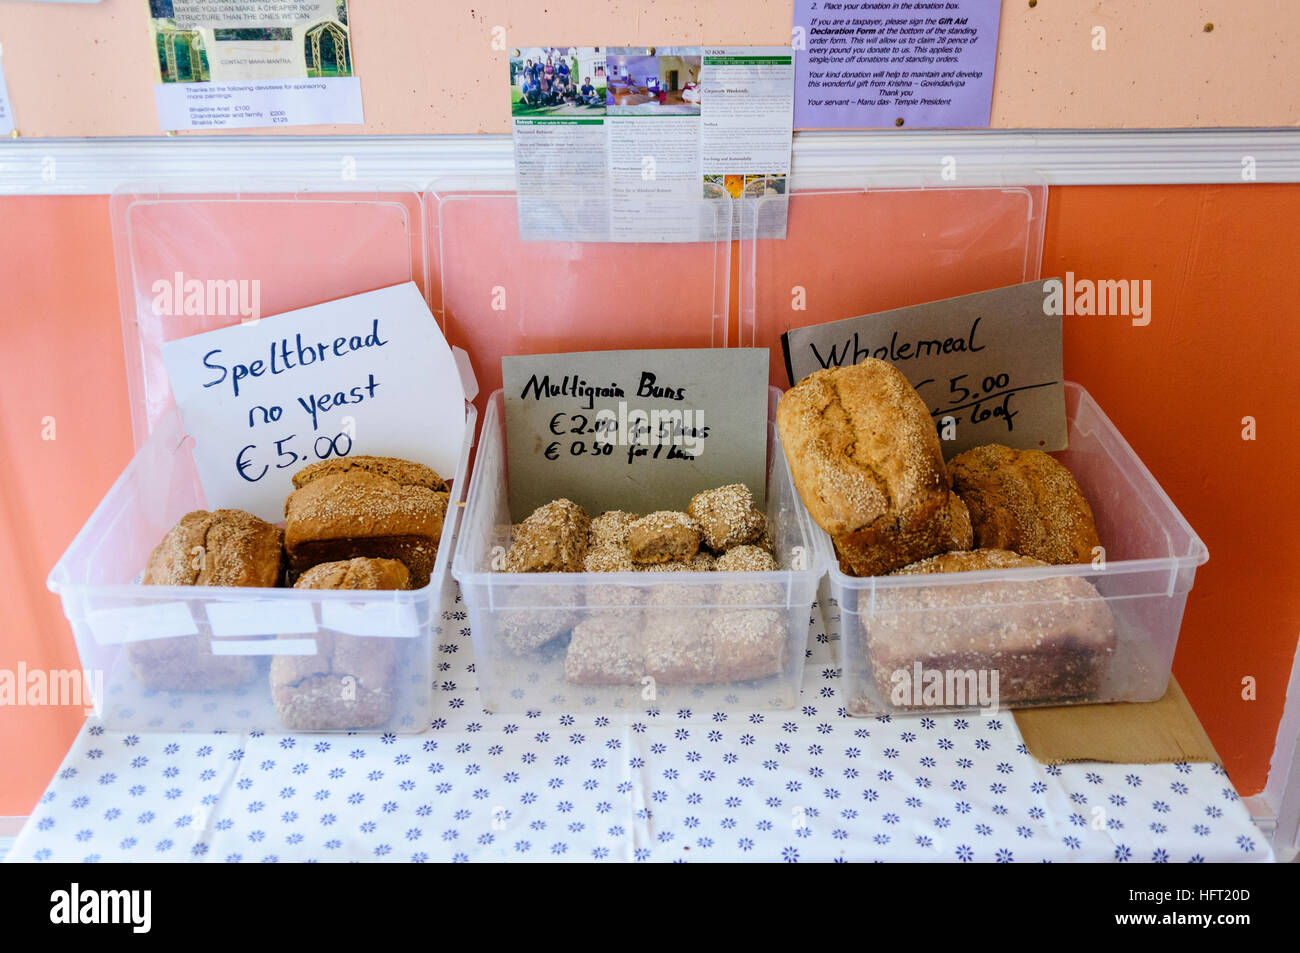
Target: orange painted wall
1221	346
430	67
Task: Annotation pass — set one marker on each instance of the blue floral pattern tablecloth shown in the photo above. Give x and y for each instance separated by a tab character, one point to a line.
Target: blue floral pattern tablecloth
810	784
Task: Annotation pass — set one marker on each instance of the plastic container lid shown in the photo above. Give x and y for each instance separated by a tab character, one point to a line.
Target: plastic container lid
282	250
911	245
497	295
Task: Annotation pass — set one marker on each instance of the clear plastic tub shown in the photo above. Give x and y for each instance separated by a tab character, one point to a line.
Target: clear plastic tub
197	658
888	625
524	624
114	618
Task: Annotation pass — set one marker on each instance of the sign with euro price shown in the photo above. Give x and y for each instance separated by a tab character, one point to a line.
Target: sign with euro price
988	365
367	374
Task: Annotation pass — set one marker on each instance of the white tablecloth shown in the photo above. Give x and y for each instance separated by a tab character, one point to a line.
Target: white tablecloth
809	784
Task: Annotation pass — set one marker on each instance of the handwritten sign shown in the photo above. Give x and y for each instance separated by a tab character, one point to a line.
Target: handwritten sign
988	365
634	430
369	374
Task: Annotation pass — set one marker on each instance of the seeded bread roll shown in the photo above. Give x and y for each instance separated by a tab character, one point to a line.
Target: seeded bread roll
601	653
727	516
1024	501
553	538
866	461
375	507
221	548
746	559
348	683
609	529
1050	640
665	536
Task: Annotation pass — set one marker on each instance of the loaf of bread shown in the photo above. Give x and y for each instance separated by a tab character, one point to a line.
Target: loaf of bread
866	460
348	683
221	548
1050	640
374	507
1024	501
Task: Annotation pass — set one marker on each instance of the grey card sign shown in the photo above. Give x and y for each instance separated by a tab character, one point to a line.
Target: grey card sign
988	365
634	430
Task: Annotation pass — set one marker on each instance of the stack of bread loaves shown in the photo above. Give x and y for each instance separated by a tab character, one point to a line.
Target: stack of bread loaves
357	523
866	459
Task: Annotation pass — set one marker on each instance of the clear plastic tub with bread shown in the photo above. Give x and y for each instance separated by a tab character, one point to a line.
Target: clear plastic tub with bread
867	462
356	523
656	634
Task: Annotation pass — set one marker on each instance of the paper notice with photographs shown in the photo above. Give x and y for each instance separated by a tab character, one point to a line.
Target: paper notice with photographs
238	64
648	144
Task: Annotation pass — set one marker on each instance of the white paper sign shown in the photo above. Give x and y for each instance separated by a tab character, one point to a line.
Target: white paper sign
255	103
261	617
369	374
142	623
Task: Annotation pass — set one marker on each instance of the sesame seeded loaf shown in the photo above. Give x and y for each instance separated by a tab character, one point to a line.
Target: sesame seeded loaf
1025	501
349	682
866	460
377	507
220	548
1050	640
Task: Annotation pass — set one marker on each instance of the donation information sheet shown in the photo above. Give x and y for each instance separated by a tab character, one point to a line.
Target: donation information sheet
237	64
913	63
620	144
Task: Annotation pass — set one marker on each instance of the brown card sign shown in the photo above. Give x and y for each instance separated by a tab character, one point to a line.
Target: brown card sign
988	365
634	430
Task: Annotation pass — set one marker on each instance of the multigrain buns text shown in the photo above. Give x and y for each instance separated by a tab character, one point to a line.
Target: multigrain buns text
866	460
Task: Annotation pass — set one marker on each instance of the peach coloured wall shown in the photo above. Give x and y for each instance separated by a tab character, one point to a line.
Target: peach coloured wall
1221	346
429	67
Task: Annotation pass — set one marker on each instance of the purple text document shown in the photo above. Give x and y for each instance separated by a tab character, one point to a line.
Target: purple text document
914	63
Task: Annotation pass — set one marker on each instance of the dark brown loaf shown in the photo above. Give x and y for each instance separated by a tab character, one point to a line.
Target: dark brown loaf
1024	501
375	507
221	548
349	682
866	460
1049	639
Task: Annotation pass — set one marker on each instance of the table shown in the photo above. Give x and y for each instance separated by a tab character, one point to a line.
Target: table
810	784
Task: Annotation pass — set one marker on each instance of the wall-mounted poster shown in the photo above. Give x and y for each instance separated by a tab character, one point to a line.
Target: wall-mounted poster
236	64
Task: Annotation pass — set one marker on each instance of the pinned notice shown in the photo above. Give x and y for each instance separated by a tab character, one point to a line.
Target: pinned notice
369	374
920	64
634	429
988	365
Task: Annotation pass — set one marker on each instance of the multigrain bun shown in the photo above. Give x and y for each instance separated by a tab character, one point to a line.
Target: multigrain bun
1049	639
1024	501
376	507
866	460
349	682
221	548
552	538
